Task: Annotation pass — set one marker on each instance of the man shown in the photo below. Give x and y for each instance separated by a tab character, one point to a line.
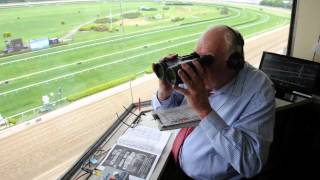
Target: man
236	105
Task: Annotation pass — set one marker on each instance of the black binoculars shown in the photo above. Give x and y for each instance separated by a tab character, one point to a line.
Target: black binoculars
168	69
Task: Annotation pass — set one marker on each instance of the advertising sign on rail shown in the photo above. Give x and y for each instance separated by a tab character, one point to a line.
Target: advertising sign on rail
41	43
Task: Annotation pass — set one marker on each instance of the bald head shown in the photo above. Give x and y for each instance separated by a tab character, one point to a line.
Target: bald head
218	40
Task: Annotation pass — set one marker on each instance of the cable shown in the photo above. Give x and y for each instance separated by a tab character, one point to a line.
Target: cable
135	122
130	126
90	171
81	175
127	110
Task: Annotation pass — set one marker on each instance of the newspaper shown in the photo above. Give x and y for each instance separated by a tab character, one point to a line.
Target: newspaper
136	152
177	117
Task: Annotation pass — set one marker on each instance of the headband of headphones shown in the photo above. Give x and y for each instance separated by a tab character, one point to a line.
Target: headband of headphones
236	59
239	38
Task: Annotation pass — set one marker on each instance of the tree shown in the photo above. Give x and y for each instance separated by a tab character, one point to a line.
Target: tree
12	121
224	11
274	3
6	35
3	1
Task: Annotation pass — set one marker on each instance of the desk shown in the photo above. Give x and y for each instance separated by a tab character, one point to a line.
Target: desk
282	104
110	137
106	141
294	152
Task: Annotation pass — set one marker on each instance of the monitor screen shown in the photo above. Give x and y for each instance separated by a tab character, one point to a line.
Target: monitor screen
291	74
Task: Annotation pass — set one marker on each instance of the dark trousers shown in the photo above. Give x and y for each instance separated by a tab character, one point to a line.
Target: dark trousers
173	171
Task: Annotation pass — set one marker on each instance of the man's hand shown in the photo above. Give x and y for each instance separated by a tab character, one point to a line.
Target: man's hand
165	88
196	93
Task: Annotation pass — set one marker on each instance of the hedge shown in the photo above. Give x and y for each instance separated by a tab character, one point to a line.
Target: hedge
148	70
12	121
99	88
86	27
224	11
105	20
131	15
148	9
177	19
94	27
166	8
101	28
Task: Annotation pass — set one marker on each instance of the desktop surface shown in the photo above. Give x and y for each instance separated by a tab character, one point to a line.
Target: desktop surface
107	142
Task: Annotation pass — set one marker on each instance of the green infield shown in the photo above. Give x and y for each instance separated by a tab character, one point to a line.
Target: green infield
94	61
51	20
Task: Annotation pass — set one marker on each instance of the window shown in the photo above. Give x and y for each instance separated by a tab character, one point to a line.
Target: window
54	55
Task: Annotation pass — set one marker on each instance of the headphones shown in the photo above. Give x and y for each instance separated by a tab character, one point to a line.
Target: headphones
236	59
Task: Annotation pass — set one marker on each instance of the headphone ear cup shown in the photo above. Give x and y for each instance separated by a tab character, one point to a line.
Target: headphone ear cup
235	62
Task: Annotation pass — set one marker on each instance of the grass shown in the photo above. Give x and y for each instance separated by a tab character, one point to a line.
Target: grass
133	61
99	88
45	20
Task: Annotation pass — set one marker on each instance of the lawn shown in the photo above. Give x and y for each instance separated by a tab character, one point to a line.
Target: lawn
53	20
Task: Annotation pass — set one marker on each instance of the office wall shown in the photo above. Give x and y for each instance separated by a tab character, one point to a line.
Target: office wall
307	29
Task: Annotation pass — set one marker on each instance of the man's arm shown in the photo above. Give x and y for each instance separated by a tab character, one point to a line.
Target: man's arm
174	99
166	97
244	144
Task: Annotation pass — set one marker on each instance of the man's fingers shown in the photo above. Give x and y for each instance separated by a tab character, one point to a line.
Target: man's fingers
153	67
181	90
199	68
169	57
184	77
172	56
190	72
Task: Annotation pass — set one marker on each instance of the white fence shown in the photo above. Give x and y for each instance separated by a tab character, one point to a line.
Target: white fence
31	113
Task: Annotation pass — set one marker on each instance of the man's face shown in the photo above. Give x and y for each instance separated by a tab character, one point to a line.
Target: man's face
213	43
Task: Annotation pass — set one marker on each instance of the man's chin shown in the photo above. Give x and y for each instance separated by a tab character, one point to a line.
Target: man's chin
208	87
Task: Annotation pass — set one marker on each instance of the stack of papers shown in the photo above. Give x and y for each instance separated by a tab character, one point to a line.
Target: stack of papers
177	117
137	152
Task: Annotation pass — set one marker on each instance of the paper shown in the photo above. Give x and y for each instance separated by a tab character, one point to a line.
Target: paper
177	117
145	138
138	164
137	152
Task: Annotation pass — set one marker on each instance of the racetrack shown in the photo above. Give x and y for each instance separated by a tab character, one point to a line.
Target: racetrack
45	149
25	78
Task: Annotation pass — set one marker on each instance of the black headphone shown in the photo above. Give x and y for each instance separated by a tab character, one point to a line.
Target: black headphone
236	59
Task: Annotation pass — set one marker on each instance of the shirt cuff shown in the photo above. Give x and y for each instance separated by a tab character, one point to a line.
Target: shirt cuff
156	103
165	102
212	124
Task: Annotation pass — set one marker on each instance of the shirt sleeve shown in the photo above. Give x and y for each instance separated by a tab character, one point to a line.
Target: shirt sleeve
245	143
175	99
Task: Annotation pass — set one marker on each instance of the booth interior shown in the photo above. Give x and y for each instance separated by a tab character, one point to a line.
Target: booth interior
294	152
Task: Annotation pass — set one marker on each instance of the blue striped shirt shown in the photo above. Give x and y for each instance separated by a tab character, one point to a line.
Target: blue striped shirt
233	140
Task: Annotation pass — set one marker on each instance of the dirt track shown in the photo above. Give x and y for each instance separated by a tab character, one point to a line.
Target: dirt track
46	150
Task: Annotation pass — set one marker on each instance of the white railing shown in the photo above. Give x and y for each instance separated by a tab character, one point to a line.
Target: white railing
30	113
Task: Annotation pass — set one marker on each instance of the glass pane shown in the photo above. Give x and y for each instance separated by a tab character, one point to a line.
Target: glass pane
65	68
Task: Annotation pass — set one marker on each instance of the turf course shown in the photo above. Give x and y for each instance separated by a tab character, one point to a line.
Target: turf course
93	59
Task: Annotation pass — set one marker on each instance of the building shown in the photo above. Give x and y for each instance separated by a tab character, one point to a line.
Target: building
14	45
37	44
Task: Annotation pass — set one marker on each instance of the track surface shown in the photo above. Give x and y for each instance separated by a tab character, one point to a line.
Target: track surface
45	150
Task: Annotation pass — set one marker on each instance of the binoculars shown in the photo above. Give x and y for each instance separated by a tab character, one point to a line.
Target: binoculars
168	69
